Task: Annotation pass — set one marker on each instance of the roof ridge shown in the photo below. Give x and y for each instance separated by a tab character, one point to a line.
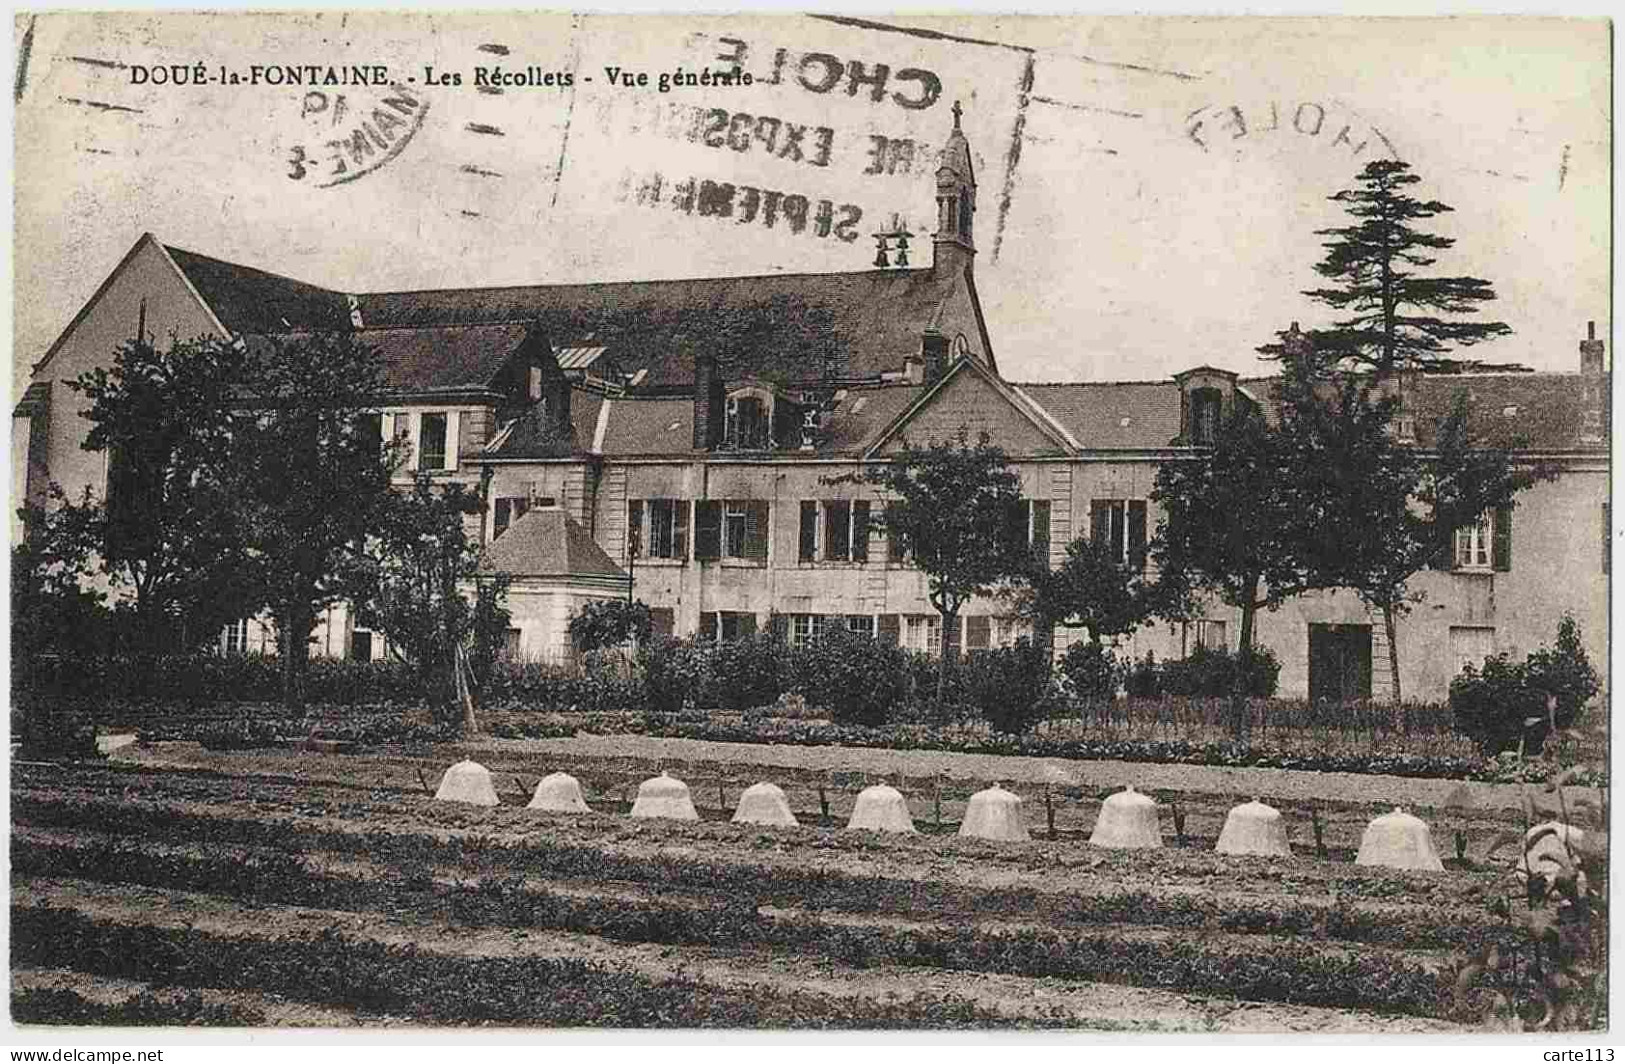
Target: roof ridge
915	272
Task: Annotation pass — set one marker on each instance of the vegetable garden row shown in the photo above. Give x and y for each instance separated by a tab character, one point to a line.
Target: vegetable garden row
393	905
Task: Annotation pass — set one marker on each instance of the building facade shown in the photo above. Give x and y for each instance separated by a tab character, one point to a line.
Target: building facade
685	441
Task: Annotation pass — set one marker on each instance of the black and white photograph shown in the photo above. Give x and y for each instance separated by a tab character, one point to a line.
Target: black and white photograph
764	522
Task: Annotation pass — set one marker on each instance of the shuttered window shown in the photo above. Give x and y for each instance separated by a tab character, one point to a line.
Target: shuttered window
978	629
1121	525
731	528
667	528
838	531
860	531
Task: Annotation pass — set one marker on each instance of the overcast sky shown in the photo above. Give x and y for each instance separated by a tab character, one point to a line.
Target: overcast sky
1148	188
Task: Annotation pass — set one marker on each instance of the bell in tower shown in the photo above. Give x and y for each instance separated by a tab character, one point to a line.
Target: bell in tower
954	244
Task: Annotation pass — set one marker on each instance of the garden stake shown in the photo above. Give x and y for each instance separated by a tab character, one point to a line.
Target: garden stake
1320	842
936	787
722	801
1179	823
823	804
1049	812
424	782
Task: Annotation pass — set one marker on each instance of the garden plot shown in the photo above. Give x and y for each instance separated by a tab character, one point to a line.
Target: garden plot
311	861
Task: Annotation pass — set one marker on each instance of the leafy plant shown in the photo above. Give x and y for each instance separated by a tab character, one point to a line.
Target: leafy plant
1505	705
1555	976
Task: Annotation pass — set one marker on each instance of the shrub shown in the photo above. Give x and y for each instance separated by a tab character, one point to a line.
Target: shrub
856	678
1091	669
1214	673
1143	680
610	623
1009	685
673	671
744	673
1504	702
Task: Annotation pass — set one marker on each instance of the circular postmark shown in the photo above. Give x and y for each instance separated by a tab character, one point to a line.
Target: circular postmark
347	135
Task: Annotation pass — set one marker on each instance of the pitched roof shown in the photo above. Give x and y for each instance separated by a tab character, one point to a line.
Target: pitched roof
1111	415
246	300
1543	411
546	542
443	356
780	324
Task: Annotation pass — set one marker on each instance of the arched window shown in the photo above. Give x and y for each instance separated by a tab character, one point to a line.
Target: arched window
964	213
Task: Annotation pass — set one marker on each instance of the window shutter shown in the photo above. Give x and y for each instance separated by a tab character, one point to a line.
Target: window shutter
1015	521
894	547
662	621
679	534
1136	534
708	626
860	531
779	625
950	636
977	628
747	625
1041	531
1099	521
756	525
707	529
1501	546
634	528
809	530
504	513
891	625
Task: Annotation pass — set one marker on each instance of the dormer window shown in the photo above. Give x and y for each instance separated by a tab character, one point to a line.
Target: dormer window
1206	404
748	423
1205	393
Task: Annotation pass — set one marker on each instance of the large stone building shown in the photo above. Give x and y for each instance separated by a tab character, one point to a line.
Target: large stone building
681	438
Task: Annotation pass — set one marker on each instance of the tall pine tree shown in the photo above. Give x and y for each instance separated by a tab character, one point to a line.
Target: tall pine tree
1397	317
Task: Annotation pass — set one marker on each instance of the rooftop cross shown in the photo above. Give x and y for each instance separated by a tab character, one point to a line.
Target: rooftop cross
957	112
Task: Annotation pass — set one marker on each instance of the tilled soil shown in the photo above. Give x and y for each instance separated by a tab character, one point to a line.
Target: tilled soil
1083	1004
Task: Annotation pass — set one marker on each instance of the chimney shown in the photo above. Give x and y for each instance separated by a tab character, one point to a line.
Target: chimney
558	407
934	350
709	400
1591	351
913	369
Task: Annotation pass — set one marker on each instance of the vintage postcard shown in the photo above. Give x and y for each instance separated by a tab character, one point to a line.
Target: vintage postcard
810	522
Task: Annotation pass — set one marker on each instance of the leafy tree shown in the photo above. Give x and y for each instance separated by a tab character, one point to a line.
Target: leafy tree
1395	317
1233	519
1375	509
312	478
422	563
54	605
949	511
168	530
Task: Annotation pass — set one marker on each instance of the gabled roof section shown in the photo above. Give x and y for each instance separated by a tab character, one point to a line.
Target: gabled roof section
146	240
792	326
1034	415
1109	415
529	436
246	300
547	543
